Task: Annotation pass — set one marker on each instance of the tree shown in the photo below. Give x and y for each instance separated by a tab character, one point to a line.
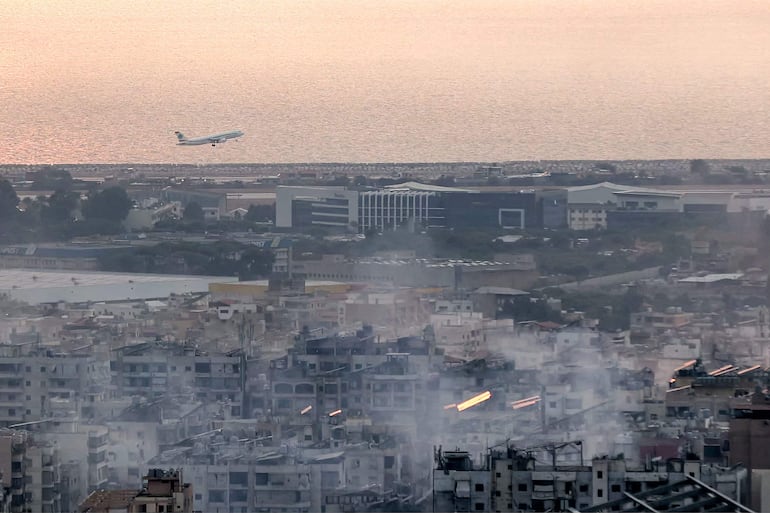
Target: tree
8	200
52	179
193	212
111	204
260	213
699	166
60	206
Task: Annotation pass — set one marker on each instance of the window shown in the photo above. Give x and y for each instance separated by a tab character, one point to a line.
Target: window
283	388
584	488
239	478
479	487
498	474
216	496
198	496
522	487
599	474
600	492
304	388
239	495
479	506
260	478
615	488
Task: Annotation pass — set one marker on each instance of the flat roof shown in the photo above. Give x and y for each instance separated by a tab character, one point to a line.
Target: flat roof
712	278
308	283
417	186
648	192
500	291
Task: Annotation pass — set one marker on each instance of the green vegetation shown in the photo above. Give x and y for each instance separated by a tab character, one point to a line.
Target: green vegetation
224	258
613	311
193	212
60	216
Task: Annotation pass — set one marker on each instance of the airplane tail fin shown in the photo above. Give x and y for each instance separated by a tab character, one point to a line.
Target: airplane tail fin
180	136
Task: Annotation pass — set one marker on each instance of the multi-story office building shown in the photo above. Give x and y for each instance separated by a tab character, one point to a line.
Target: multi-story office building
154	369
409	204
391	208
303	207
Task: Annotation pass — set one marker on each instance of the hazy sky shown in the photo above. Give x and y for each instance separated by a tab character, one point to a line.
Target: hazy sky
386	80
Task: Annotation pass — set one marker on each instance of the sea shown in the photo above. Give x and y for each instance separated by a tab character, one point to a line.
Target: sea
109	81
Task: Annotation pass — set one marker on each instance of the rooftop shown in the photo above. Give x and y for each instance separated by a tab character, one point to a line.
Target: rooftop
107	500
500	291
712	278
416	186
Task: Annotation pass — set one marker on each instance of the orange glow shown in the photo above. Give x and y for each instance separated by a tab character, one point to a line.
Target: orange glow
527	399
523	403
685	365
306	409
473	401
721	370
335	412
744	371
672	380
450	406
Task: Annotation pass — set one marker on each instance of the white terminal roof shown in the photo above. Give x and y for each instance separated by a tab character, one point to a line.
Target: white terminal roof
40	286
416	186
712	278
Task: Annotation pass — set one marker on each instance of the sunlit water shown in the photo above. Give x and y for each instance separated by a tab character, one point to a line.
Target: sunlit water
332	80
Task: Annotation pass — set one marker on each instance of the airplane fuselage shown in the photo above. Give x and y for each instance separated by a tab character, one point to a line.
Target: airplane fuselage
213	139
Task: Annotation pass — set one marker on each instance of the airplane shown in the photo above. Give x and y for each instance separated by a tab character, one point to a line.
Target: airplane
209	139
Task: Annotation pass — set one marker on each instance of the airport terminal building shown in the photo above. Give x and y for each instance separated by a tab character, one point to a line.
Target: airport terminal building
422	206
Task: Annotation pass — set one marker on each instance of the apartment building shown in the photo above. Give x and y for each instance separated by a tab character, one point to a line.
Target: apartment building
36	384
163	491
228	473
86	444
31	473
513	479
154	369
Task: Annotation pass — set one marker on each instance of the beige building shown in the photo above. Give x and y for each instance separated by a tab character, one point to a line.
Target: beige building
581	217
162	492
